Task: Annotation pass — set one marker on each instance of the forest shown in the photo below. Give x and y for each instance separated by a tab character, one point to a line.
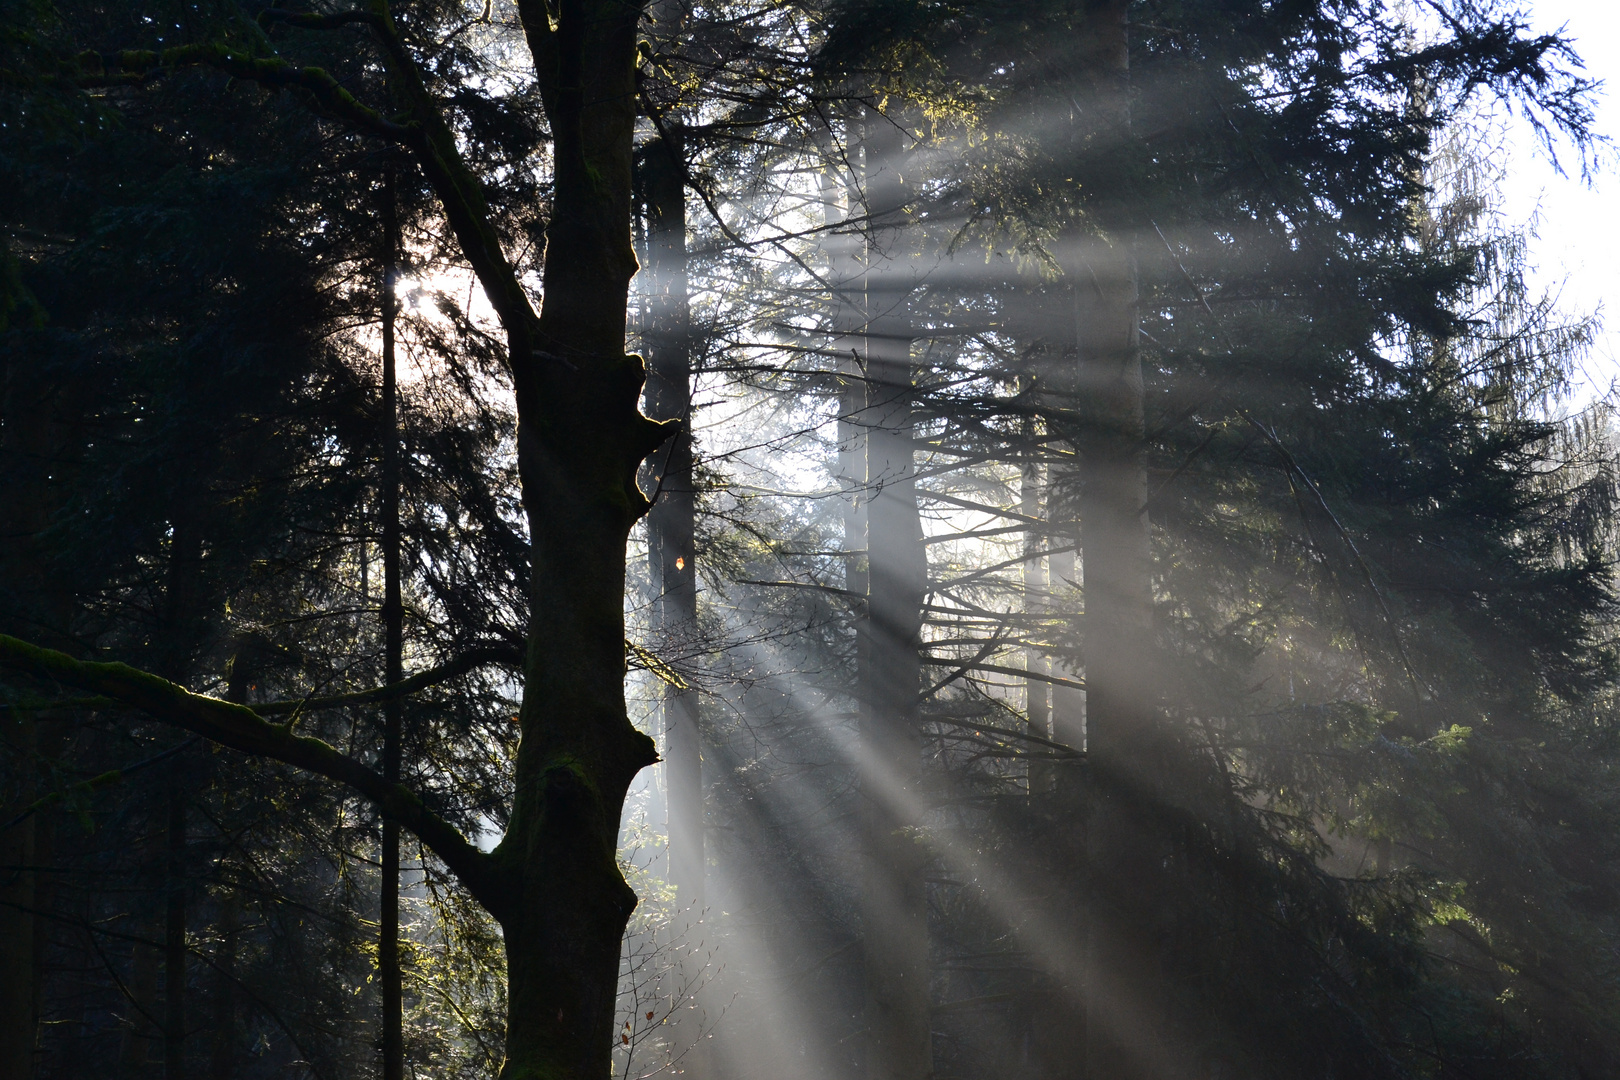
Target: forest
809	539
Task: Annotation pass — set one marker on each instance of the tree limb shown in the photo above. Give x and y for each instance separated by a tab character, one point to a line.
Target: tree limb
240	728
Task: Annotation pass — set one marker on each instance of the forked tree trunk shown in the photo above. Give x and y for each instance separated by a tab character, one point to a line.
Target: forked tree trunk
894	900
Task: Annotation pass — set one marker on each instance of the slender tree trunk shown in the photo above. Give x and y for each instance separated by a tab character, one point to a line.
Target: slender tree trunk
34	439
393	616
174	935
1068	715
136	1046
894	903
222	1057
671	552
179	634
1036	604
845	276
671	522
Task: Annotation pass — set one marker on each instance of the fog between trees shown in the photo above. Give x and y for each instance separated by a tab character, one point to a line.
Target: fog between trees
854	539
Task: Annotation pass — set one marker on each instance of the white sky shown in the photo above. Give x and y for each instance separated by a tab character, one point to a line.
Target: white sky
1578	250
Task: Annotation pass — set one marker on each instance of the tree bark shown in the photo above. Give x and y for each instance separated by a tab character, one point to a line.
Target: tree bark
894	901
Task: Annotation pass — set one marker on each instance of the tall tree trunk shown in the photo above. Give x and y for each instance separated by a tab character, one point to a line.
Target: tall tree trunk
845	278
671	552
1113	490
1124	1008
174	935
671	522
393	617
178	636
894	902
174	645
581	440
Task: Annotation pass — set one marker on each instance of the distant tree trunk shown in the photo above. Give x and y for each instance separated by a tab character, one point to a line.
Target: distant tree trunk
671	553
1124	1014
1113	490
894	901
393	617
1036	605
1068	715
839	195
671	522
